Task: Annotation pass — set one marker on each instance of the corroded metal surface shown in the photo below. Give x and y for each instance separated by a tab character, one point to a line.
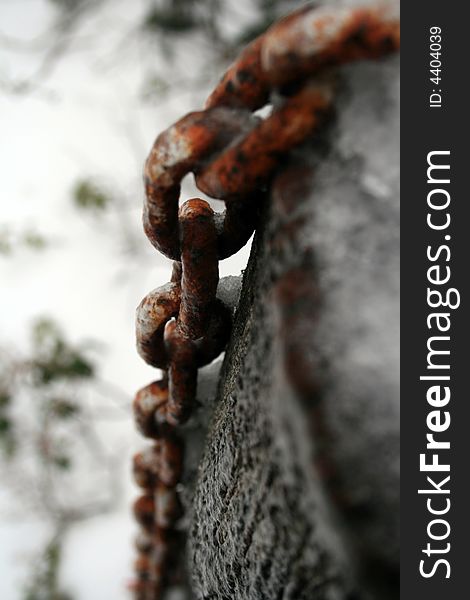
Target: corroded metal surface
301	44
182	325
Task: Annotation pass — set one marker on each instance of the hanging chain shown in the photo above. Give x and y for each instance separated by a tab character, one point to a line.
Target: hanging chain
182	325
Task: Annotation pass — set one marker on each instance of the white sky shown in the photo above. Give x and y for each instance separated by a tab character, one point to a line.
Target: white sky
86	120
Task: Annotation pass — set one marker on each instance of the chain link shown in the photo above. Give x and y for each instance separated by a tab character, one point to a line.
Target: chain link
182	326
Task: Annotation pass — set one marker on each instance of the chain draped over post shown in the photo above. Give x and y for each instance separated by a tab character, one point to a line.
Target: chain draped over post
182	325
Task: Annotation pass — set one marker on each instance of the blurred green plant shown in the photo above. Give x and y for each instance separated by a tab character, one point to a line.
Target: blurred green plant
34	240
45	581
11	240
172	16
48	437
88	195
53	360
7	433
67	5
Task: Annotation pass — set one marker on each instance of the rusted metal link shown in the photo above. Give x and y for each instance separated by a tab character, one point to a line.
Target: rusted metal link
157	471
169	401
191	294
180	345
152	315
232	153
301	44
187	356
176	152
200	267
243	168
182	374
150	409
160	462
247	165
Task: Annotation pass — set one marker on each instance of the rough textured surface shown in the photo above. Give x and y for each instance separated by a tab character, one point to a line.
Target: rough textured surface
298	488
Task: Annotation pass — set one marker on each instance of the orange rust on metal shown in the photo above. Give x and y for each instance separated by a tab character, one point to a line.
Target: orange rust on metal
182	326
150	409
301	44
152	314
170	457
142	564
176	152
182	374
160	462
145	475
157	470
247	165
200	275
144	510
244	84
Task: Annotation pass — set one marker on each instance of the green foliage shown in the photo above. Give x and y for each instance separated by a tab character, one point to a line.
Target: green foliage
187	16
43	330
63	409
62	462
268	12
5	399
44	584
87	195
155	87
65	364
7	436
34	240
11	240
5	242
169	21
174	17
53	361
7	431
54	450
5	425
55	358
44	422
67	5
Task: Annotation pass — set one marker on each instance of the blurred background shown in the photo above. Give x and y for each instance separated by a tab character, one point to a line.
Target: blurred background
85	87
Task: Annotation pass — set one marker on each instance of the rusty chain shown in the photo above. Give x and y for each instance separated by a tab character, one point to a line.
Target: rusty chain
182	325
